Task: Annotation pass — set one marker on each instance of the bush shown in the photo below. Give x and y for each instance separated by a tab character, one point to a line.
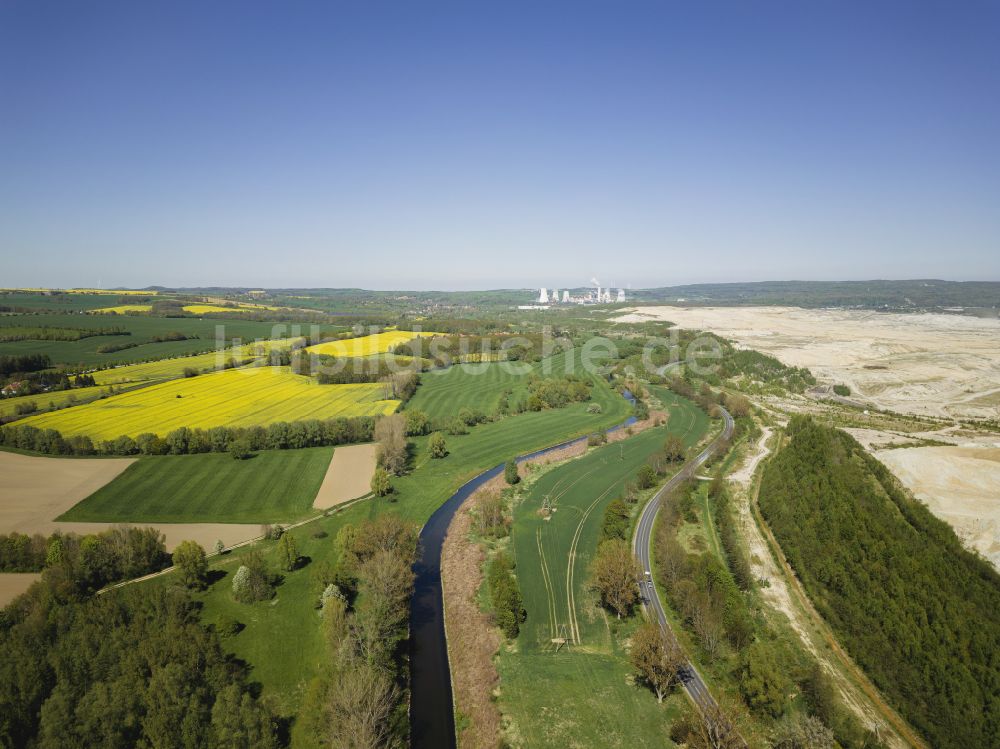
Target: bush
594	408
510	473
240	449
190	372
437	445
842	390
381	484
227	626
271	532
646	477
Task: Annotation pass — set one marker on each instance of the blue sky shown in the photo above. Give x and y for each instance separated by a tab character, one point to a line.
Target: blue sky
467	145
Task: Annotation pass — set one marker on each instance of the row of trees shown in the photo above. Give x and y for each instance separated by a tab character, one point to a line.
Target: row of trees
185	440
21	363
49	333
358	700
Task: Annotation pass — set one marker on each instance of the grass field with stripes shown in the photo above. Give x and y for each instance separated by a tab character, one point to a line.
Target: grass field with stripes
587	676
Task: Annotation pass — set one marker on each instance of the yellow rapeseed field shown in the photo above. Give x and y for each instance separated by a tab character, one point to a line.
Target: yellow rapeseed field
122	309
207	309
377	343
235	397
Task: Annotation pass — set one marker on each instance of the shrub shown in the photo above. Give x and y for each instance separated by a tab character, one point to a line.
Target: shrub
646	476
842	390
240	449
381	484
510	473
190	372
437	445
594	408
227	626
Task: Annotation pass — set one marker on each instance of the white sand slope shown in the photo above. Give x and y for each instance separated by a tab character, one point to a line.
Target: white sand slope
960	485
933	364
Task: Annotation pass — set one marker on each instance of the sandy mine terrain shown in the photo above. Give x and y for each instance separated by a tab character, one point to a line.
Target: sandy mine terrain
35	490
960	485
13	584
348	476
932	364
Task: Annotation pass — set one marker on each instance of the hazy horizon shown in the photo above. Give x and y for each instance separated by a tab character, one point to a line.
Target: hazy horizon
449	146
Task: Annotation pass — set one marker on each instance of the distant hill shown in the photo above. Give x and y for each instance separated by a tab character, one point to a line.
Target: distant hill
920	294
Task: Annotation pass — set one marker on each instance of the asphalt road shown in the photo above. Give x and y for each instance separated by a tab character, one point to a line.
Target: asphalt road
689	676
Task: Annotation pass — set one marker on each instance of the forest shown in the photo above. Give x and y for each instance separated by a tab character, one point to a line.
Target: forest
912	606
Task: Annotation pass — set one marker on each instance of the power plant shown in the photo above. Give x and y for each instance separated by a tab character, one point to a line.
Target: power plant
597	295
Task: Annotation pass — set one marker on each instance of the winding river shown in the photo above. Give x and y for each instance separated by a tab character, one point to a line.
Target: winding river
432	717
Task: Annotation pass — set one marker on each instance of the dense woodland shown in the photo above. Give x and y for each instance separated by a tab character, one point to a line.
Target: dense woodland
131	667
913	607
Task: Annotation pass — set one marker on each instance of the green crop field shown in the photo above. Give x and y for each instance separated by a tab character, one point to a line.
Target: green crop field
445	392
54	399
587	677
552	555
273	486
142	329
251	396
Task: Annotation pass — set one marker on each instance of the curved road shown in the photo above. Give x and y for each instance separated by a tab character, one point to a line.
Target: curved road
688	674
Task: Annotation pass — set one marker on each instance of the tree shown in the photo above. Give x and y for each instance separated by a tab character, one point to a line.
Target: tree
240	449
239	722
437	446
505	595
646	476
288	553
510	473
614	574
657	657
381	483
360	703
673	449
489	518
252	582
189	558
417	422
219	547
761	681
385	586
803	732
390	433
